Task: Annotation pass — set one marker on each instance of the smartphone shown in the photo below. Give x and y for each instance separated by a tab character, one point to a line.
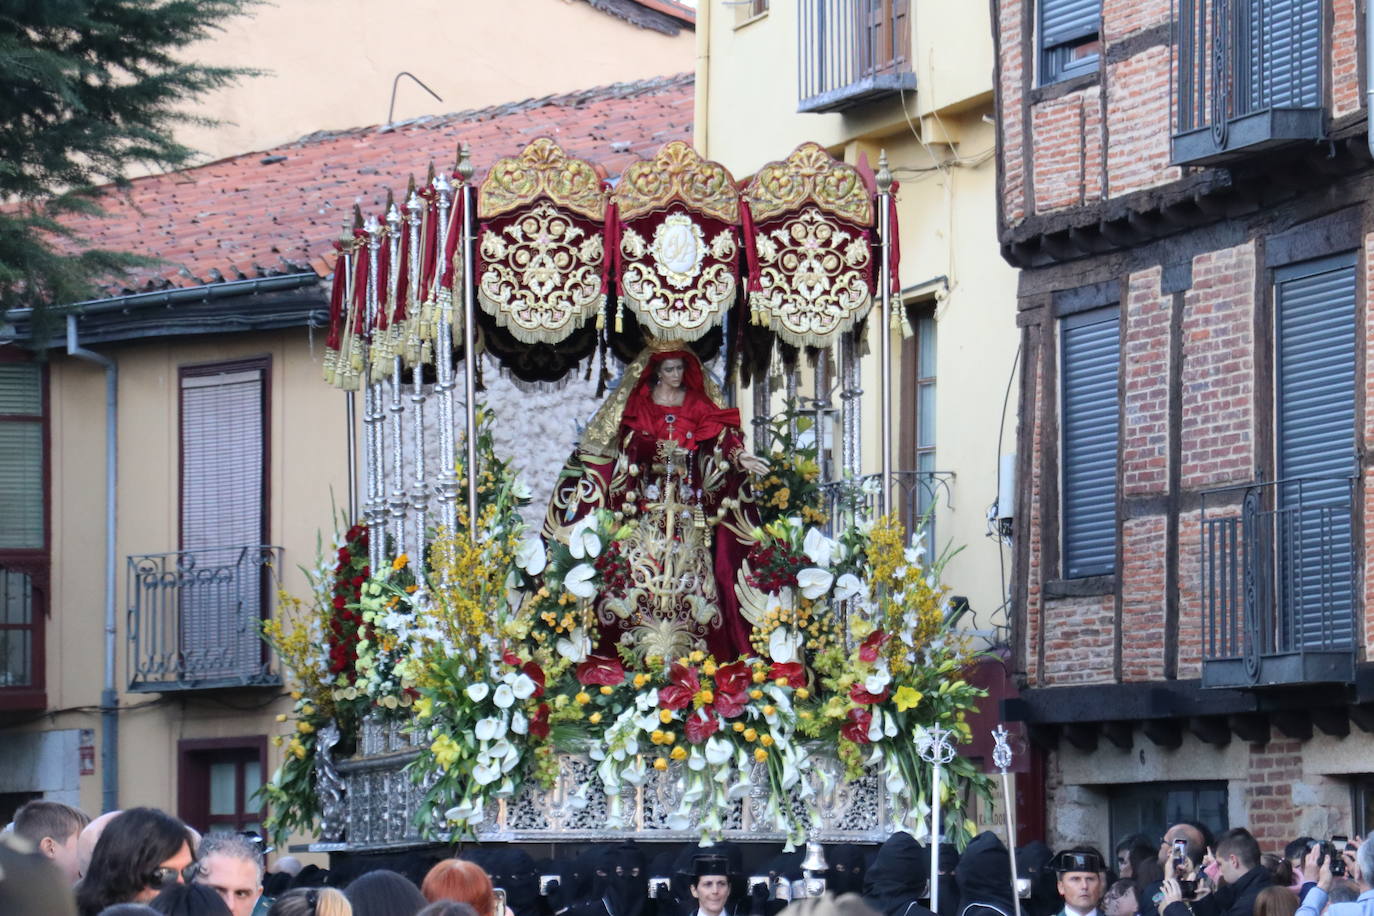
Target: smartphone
757	881
499	895
1338	846
659	888
548	883
1023	888
1180	853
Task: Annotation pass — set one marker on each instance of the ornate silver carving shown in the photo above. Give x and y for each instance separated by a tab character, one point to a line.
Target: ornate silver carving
329	786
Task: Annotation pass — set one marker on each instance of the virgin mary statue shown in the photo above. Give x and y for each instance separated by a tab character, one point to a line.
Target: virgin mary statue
665	454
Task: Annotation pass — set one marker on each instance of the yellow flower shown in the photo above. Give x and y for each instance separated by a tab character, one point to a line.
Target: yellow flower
594	718
738	726
669	737
281	717
756	694
679	753
781	682
760	677
641	679
400	562
697	655
906	698
750	734
709	668
412	589
307	710
445	751
582	698
804	714
276	740
304	728
660	763
607	690
803	693
296	694
766	740
760	754
769	710
656	736
297	749
424	707
704	697
665	716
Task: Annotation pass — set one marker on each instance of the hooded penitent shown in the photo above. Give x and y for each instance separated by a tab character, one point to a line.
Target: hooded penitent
898	877
984	877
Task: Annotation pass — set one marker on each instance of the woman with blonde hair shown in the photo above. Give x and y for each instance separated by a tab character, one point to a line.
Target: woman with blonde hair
311	901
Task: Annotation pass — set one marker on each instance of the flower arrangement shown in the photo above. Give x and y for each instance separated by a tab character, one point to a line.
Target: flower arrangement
489	647
791	488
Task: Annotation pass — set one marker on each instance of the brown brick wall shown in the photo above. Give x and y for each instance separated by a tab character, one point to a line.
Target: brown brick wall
1079	638
1122	18
1138	123
1057	136
1011	74
1142	598
1145	420
1218	369
1274	768
1345	58
1189	638
1035	536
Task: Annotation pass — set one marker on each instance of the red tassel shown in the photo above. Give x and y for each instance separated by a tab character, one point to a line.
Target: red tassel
359	318
403	280
751	252
428	238
455	228
383	320
610	262
894	240
336	296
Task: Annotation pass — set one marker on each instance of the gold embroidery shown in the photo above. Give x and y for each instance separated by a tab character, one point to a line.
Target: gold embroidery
810	174
677	173
541	276
542	169
695	294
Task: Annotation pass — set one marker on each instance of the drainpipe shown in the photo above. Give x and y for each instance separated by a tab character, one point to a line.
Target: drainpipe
1369	76
702	136
109	698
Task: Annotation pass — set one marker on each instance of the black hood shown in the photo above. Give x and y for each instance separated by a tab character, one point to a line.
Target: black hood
898	876
845	874
984	873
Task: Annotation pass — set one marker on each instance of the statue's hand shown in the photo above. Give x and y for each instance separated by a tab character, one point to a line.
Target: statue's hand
753	463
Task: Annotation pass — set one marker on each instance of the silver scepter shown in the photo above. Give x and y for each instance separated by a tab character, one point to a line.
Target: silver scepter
1001	757
935	748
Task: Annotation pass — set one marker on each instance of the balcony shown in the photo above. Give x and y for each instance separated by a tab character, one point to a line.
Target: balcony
915	494
1278	584
1248	77
194	618
852	51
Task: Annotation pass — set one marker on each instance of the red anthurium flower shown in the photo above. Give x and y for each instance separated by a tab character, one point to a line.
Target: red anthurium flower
734	678
730	705
868	650
685	685
539	722
858	694
856	729
536	674
598	669
700	725
510	658
795	672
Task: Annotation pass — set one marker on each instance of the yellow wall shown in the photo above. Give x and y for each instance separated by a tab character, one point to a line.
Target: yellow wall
747	115
307	471
332	62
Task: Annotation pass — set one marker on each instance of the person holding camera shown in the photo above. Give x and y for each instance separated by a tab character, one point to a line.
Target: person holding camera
1238	862
1327	862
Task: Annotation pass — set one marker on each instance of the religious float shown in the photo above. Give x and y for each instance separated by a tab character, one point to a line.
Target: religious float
697	643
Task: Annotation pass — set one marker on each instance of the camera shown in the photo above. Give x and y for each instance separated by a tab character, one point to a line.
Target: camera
1023	888
660	888
1187	888
1338	845
548	884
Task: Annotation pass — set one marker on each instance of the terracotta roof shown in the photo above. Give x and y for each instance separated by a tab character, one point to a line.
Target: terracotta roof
278	211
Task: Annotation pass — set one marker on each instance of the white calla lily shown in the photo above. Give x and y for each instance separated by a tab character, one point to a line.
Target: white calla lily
521	490
488	729
717	751
850	586
875	729
484	774
575	647
523	686
504	697
583	541
783	644
518	723
531	556
818	547
478	692
877	681
578	581
814	582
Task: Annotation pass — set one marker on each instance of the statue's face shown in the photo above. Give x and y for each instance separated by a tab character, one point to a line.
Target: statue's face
670	372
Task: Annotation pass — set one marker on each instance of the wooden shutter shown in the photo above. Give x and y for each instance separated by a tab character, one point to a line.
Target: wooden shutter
1315	387
223	485
1090	424
21	457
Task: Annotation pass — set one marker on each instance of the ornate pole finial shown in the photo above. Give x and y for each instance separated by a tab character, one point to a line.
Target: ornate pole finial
465	169
884	176
935	748
1001	758
1001	749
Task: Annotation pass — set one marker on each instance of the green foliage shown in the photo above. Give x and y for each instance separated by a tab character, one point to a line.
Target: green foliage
89	89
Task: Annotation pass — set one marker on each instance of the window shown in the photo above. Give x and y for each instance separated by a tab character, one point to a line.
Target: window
1069	40
218	781
748	10
917	429
1152	808
1315	450
1089	423
223	516
23	533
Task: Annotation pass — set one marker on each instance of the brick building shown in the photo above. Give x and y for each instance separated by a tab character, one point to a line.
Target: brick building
1184	189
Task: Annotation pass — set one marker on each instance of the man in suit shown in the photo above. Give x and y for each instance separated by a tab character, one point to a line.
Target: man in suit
710	885
1081	880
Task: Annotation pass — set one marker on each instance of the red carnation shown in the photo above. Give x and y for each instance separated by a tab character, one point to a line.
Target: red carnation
356	581
795	672
859	694
598	669
539	722
344	556
868	650
857	728
354	533
536	674
340	602
733	678
684	686
700	725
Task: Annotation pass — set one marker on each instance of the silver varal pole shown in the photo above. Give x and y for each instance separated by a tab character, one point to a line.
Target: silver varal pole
884	180
443	373
1001	757
399	501
936	749
373	411
419	489
469	249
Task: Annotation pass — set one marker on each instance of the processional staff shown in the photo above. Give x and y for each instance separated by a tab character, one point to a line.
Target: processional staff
884	182
465	170
936	749
1001	757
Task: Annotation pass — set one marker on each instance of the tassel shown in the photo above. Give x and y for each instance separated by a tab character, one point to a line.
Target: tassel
619	316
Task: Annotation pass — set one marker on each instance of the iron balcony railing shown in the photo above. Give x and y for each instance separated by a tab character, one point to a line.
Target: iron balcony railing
1246	75
1278	583
852	51
915	494
195	618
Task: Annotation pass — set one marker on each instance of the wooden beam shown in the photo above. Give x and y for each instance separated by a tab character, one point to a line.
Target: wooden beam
1164	732
1333	720
1250	727
1120	734
1363	716
1293	723
1083	737
1044	736
1212	730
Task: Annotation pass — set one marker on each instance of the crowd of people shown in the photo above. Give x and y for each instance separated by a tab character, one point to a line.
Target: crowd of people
56	860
